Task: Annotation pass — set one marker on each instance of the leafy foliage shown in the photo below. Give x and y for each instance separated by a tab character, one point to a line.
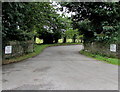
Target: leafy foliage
70	33
98	15
25	21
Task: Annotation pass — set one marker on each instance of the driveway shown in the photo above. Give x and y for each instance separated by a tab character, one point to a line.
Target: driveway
60	68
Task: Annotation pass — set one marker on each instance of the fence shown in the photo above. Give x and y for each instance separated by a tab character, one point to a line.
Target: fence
101	48
16	48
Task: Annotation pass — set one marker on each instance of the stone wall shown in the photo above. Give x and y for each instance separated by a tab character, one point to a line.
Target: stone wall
101	48
18	48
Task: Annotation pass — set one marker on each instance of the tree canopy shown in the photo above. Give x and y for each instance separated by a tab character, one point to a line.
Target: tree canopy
92	19
27	20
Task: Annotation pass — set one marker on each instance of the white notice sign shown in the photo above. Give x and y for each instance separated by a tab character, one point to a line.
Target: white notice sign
8	49
113	47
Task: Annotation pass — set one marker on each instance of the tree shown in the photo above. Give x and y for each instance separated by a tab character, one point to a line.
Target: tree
25	21
48	23
17	21
67	23
98	15
72	34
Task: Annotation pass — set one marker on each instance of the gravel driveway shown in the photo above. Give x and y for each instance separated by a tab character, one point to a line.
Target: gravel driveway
60	68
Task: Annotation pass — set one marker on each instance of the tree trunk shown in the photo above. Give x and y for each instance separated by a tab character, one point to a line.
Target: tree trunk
74	38
56	40
81	39
34	39
64	39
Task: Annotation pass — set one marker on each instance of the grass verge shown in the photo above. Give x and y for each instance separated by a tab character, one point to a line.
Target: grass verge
37	50
114	61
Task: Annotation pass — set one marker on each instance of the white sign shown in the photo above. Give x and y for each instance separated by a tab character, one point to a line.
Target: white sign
113	47
8	49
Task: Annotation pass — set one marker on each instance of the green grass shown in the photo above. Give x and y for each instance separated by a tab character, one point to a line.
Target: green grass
114	61
37	50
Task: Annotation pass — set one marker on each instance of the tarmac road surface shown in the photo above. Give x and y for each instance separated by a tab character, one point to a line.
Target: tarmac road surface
60	68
